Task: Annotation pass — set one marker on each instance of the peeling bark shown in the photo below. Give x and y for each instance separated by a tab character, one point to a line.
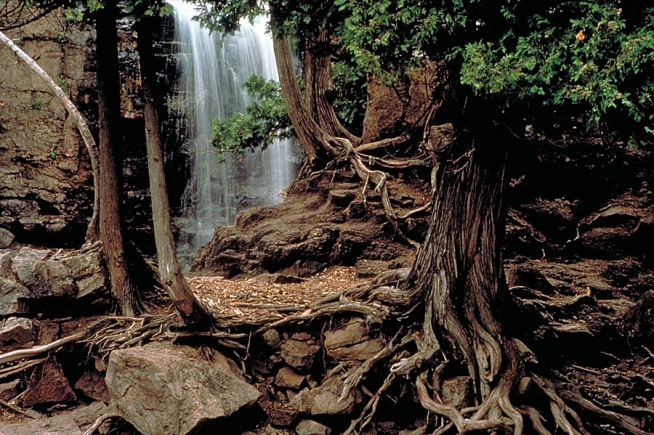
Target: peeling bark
458	269
318	76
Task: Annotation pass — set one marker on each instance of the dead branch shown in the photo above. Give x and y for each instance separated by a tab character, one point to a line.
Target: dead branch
398	140
119	332
368	412
98	422
373	314
16	409
13	370
415	211
38	350
626	423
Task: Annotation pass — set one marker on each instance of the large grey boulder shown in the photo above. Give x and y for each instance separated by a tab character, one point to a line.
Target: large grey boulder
17	333
40	273
6	237
161	391
352	342
325	400
12	297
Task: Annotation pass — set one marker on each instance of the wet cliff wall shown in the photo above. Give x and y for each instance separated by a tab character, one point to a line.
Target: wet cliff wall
46	191
45	177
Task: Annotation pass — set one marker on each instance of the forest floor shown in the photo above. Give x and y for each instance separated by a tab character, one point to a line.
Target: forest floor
251	300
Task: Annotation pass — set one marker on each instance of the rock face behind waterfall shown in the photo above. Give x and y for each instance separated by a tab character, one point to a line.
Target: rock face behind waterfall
45	180
41	279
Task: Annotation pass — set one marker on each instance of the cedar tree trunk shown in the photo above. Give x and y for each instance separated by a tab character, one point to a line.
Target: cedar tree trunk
170	271
458	269
109	134
320	88
312	137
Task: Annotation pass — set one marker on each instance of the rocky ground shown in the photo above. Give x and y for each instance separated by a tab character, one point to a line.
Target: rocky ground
293	334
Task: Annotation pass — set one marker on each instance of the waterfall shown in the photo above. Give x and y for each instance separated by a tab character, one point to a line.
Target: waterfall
211	70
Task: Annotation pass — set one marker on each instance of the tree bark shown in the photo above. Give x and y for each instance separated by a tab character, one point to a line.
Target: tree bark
92	231
318	77
312	138
458	269
170	272
109	122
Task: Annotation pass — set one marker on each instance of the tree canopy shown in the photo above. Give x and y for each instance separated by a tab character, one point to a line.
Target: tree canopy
535	63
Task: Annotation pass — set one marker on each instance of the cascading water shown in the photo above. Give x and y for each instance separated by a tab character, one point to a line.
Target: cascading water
211	71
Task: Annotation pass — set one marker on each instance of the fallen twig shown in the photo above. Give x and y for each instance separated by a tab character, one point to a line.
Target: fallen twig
15	409
100	420
37	350
10	371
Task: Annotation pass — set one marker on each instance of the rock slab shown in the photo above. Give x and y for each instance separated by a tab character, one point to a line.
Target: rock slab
73	422
161	391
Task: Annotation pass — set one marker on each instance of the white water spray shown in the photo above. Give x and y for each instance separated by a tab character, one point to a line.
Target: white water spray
211	72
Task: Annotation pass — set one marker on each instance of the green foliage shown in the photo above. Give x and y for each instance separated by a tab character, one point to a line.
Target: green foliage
61	82
563	59
37	103
264	121
593	58
82	10
224	15
351	87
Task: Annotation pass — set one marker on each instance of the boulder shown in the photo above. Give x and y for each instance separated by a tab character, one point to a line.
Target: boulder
324	400
46	385
93	386
299	351
310	427
9	390
288	378
73	422
161	391
36	273
351	342
281	414
24	265
272	338
17	333
6	238
12	298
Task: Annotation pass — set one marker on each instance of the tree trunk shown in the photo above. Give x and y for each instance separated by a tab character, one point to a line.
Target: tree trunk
311	136
318	77
170	272
458	269
92	231
109	124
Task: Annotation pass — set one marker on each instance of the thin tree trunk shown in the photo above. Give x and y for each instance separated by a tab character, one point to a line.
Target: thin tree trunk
92	231
109	123
458	269
318	76
194	315
309	133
